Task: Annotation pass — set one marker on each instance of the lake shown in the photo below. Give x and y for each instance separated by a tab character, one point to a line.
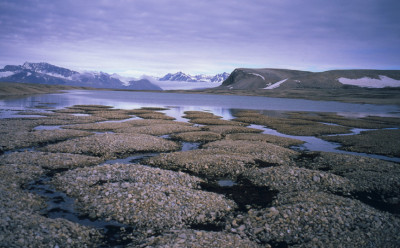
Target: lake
178	103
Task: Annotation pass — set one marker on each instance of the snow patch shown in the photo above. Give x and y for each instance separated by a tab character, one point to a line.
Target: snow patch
258	75
6	73
382	82
275	85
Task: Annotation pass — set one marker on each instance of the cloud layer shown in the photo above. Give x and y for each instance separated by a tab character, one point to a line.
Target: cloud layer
209	36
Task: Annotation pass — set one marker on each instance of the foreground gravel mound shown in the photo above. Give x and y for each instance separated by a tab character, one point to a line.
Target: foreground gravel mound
21	224
211	163
199	239
317	219
48	160
267	153
25	229
288	179
148	198
277	140
109	146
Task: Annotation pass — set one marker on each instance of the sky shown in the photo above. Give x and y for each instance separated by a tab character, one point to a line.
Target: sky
155	37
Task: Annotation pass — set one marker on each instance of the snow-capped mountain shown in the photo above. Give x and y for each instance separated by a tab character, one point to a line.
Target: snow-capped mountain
49	69
219	78
45	73
37	73
180	76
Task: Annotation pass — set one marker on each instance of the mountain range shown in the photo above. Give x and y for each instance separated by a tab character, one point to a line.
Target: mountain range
45	73
268	79
239	79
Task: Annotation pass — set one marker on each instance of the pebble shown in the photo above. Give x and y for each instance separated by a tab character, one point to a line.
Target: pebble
368	175
109	146
277	140
49	160
264	152
199	239
210	162
290	178
318	219
161	199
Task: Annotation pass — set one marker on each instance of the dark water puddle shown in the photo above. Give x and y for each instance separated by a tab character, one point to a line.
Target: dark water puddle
186	146
216	226
276	244
59	205
243	193
263	164
226	183
379	201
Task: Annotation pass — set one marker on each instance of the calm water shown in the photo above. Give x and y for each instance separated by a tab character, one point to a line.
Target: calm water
178	103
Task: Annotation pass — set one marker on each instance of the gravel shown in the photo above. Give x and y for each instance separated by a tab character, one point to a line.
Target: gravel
228	129
200	136
159	129
266	153
277	140
211	163
108	146
47	160
151	199
198	239
368	175
318	219
289	178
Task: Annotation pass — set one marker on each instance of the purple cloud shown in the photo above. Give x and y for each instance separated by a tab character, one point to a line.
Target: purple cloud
159	36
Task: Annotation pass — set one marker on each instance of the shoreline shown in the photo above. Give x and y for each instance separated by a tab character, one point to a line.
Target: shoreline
13	90
385	96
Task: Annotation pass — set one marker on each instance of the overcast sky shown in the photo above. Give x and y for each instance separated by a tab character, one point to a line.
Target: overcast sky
154	37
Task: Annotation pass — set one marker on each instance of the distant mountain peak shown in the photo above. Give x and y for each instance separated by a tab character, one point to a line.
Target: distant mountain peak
180	76
31	65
